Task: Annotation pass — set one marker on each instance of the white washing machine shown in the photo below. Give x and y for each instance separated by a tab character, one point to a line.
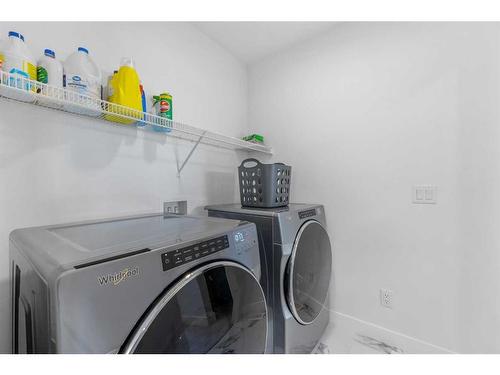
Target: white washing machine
296	259
147	284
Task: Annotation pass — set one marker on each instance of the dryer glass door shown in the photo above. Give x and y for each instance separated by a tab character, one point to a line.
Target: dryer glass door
308	272
217	308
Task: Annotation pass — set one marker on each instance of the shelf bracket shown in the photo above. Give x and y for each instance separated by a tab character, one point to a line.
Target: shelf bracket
179	169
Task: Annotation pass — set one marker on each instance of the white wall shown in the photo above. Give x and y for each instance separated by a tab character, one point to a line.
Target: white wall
57	168
363	113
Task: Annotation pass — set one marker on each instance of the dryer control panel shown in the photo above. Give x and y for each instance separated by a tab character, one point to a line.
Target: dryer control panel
307	213
187	254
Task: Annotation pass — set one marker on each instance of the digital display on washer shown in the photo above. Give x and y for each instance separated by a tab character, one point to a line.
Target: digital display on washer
239	237
307	213
187	254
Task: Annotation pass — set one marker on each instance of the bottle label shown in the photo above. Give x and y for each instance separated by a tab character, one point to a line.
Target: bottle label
30	69
42	75
84	86
164	106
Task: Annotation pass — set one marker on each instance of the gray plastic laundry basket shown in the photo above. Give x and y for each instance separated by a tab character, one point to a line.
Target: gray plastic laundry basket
264	185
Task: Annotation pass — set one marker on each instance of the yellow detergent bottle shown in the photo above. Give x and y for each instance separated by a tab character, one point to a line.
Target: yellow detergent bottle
124	89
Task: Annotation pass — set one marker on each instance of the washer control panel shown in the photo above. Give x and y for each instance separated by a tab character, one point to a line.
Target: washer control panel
187	254
244	240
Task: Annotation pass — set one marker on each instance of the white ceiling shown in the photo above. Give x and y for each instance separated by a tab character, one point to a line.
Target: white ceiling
252	41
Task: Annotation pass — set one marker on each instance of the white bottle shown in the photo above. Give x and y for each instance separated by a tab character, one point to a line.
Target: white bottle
50	72
82	81
49	69
20	65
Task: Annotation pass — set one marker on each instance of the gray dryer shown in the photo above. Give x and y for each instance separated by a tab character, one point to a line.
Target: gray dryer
296	258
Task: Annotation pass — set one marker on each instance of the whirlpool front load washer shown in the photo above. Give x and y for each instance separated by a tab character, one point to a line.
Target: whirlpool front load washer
295	249
146	284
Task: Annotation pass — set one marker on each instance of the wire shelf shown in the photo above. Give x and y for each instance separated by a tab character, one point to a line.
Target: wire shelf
20	88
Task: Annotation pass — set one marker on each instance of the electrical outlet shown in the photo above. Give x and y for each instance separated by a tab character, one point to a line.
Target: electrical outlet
175	207
387	298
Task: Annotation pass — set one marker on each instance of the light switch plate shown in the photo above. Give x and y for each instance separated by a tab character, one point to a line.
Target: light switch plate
425	194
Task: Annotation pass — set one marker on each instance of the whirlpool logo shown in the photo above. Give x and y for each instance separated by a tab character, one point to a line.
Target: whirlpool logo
116	278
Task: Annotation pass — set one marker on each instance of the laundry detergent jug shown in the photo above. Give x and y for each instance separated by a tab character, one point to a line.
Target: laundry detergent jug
49	71
19	64
82	80
124	89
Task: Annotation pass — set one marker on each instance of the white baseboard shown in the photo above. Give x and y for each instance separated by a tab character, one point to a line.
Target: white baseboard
346	334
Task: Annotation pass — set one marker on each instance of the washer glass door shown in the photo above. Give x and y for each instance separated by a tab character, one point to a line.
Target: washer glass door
217	308
308	272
